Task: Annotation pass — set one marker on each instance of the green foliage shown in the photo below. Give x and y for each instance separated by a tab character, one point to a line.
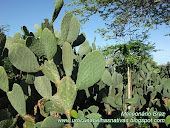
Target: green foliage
2	40
129	16
90	70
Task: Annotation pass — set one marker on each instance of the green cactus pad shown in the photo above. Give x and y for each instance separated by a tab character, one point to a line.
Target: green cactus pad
51	107
29	121
17	100
4	83
10	41
94	116
167	120
80	39
51	122
30	79
58	5
167	84
83	125
67	58
41	105
43	86
93	109
158	88
49	42
70	27
38	125
106	78
84	48
90	70
50	71
118	99
67	92
57	34
36	47
55	104
117	79
23	58
74	114
111	101
8	123
133	100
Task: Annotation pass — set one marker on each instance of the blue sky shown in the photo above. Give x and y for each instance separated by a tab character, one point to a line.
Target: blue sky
19	13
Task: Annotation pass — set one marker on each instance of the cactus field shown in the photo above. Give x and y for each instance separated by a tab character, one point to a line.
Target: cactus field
52	75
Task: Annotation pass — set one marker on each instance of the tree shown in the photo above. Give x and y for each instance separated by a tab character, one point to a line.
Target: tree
127	19
130	54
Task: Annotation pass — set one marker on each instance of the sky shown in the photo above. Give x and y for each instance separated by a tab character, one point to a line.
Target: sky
18	13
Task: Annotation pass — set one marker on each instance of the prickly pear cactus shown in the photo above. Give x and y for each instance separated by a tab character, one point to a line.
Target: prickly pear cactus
4	84
43	86
19	105
45	77
67	58
50	71
23	58
90	70
70	27
67	94
58	5
49	42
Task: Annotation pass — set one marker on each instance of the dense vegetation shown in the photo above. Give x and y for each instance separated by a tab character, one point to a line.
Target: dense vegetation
43	78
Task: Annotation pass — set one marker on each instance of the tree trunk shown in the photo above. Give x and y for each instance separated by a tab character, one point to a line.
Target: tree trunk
129	74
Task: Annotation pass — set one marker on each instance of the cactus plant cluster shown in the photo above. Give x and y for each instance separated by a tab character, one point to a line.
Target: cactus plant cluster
52	80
